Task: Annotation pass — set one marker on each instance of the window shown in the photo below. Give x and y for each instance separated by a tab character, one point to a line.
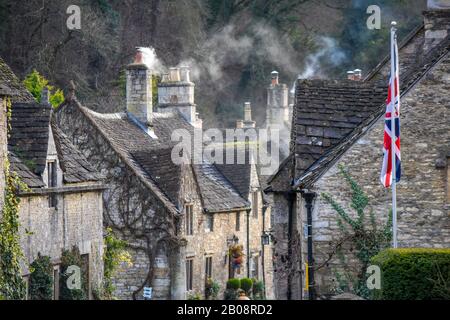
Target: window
52	182
255	204
26	280
238	221
208	267
56	282
189	212
85	270
255	267
189	273
209	224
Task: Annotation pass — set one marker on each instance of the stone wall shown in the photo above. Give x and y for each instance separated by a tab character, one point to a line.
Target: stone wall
214	244
3	146
129	207
423	206
76	221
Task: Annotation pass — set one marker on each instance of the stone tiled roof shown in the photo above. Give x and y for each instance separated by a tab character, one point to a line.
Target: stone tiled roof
331	116
150	159
238	172
11	85
328	111
30	134
74	165
217	193
27	176
28	145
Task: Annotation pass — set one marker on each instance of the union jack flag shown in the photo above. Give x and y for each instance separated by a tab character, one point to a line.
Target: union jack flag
386	171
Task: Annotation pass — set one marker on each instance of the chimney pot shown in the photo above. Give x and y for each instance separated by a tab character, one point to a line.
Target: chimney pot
45	96
139	57
185	74
357	74
274	78
350	75
174	74
247	111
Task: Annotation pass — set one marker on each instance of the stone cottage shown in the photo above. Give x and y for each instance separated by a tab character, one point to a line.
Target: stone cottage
341	123
180	220
62	206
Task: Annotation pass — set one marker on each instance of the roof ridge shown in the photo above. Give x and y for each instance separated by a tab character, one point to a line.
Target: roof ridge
149	183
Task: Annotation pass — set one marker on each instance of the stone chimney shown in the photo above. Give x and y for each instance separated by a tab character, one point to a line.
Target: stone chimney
437	22
45	97
247	122
139	92
277	103
176	93
274	78
354	75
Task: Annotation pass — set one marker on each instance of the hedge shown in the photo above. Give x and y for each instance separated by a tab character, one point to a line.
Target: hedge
413	274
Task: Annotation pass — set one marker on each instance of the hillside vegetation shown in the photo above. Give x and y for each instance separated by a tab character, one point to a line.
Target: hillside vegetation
232	46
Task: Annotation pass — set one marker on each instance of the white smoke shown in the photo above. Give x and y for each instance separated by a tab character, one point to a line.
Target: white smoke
328	51
151	59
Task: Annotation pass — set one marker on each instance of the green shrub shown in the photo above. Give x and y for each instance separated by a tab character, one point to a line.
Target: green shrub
72	258
258	290
212	289
41	279
234	284
413	274
230	294
246	285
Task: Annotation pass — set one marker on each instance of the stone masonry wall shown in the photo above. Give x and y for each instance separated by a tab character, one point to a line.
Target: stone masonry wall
423	204
129	207
3	146
77	221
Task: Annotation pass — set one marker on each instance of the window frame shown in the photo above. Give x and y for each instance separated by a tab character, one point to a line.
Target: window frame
52	182
255	204
238	221
208	267
189	274
209	223
189	219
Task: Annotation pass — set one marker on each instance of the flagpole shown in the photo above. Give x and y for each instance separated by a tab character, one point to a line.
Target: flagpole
393	136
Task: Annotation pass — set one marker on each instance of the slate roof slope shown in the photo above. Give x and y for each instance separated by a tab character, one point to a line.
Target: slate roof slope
27	176
29	134
414	70
326	112
28	146
239	171
9	82
74	165
150	158
217	193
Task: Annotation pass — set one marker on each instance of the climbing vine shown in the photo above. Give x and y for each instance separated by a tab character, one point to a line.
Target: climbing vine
41	279
71	258
115	254
362	235
12	285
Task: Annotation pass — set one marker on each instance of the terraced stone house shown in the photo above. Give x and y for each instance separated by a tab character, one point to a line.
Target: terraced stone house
62	206
341	123
180	220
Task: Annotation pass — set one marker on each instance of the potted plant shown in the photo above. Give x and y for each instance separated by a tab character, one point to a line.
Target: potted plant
237	256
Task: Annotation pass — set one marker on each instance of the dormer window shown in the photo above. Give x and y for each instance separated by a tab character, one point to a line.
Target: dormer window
52	182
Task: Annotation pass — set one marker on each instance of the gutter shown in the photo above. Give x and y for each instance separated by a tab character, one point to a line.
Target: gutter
309	197
71	189
248	243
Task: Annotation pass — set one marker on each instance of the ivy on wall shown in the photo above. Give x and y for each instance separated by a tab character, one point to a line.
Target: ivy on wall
41	279
72	258
362	233
12	285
